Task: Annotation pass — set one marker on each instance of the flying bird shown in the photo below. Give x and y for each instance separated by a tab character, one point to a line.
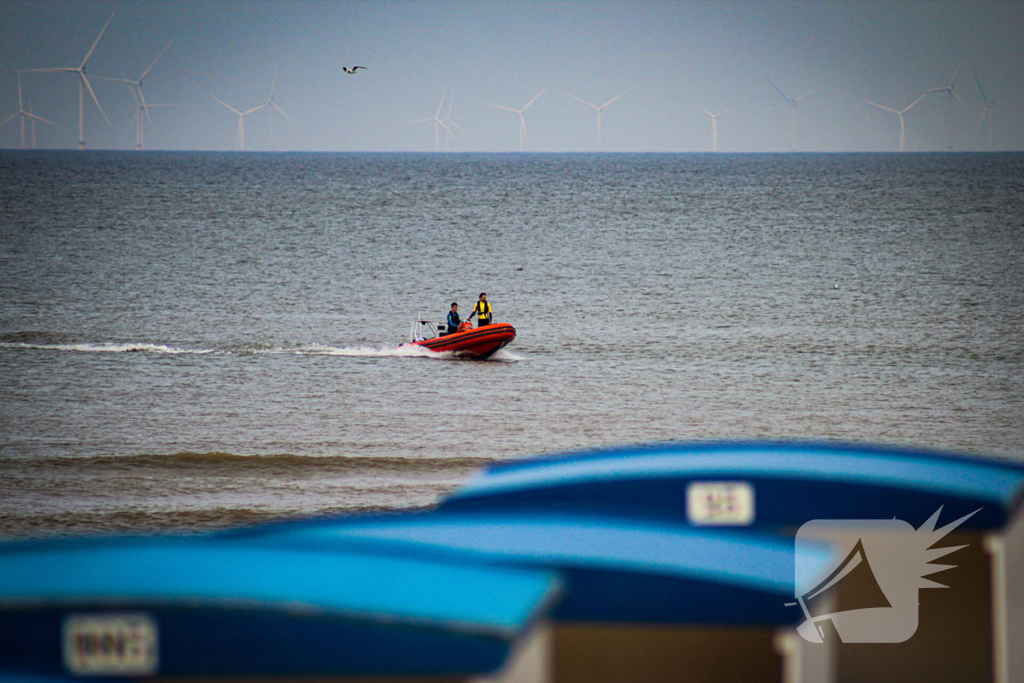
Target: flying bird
352	70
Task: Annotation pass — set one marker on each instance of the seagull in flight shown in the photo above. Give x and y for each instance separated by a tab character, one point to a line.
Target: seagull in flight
352	70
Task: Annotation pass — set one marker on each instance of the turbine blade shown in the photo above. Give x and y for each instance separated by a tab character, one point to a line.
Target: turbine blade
615	98
976	128
273	84
12	116
532	101
226	104
911	105
145	107
419	121
97	41
281	111
592	106
68	69
256	108
953	93
457	126
957	69
809	93
873	104
979	86
778	91
39	118
115	80
94	99
498	106
154	62
131	122
441	103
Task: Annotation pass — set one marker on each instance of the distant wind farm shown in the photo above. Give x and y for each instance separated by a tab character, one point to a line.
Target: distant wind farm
323	100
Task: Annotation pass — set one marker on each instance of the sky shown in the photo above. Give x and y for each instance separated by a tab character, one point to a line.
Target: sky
675	59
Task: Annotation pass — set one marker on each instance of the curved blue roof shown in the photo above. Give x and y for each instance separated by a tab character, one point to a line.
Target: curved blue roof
232	609
682	563
356	584
818	478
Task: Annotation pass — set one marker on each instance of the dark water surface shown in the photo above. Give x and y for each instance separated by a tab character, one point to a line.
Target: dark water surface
194	340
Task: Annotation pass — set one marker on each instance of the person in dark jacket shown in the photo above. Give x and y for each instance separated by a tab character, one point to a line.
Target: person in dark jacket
453	319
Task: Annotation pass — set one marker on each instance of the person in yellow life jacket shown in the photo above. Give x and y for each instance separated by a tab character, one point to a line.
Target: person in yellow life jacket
482	311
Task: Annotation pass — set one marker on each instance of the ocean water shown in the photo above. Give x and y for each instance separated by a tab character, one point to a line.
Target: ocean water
194	340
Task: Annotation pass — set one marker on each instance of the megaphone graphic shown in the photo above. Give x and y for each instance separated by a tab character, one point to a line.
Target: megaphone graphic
860	590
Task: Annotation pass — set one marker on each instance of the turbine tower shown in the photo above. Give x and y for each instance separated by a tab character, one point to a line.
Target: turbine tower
522	121
792	102
952	95
598	109
240	136
25	115
901	113
987	111
436	120
273	107
714	127
83	84
141	107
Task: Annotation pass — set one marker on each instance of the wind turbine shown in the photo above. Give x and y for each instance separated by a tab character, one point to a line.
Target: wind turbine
900	113
273	106
438	123
34	119
598	109
448	120
25	115
141	107
83	84
952	94
714	127
522	121
792	102
987	111
240	136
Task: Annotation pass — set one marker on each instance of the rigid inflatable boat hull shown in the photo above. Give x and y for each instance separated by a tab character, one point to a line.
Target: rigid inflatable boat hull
478	342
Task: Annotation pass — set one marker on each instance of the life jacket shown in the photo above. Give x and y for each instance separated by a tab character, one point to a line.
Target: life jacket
483	310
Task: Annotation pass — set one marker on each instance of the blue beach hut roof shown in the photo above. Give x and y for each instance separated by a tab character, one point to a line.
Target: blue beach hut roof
792	482
224	609
614	569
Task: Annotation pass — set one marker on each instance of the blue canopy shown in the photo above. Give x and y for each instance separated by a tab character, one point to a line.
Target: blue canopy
231	609
791	483
615	569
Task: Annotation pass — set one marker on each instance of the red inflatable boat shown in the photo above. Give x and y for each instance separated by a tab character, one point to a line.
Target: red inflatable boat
468	342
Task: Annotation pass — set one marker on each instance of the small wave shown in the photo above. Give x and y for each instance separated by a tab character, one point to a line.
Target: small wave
407	351
106	347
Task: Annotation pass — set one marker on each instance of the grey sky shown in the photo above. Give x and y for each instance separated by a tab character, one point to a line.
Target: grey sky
678	57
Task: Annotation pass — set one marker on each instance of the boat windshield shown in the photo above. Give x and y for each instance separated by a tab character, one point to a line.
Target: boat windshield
422	330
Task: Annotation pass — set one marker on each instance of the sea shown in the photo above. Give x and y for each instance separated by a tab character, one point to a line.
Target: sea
193	341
